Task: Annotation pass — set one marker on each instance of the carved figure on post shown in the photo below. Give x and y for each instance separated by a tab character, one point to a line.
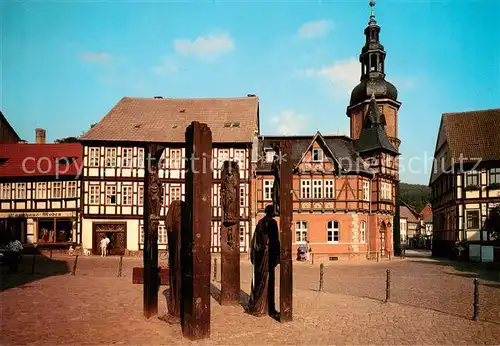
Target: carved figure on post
230	181
265	256
275	168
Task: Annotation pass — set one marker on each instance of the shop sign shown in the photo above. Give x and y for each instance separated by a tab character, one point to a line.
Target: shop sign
41	214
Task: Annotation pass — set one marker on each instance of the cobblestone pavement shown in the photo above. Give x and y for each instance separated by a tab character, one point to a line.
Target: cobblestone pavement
431	303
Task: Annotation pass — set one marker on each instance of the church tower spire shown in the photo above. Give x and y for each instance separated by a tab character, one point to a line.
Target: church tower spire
373	83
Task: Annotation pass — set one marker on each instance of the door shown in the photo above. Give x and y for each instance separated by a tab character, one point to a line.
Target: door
382	244
117	234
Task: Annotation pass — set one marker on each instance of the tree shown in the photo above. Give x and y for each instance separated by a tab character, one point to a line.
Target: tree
492	224
415	195
67	140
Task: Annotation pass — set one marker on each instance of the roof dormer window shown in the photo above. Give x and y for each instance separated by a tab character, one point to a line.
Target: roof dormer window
317	155
269	155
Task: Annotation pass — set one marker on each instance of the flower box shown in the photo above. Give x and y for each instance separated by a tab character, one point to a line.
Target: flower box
472	188
493	186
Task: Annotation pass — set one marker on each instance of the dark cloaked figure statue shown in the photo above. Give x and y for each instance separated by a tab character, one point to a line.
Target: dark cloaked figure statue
265	255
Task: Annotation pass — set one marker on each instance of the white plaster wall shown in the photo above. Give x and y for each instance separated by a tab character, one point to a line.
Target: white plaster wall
133	235
132	232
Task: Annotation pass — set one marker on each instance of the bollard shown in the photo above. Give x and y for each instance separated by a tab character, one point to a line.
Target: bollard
378	257
388	286
476	300
215	270
390	254
74	265
312	258
120	266
33	264
321	274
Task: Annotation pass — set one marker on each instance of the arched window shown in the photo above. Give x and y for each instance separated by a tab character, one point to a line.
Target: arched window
333	232
300	231
362	232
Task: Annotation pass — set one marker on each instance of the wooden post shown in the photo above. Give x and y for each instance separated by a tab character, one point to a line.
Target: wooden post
195	241
215	270
388	286
230	239
73	272
152	205
321	274
286	217
476	300
120	265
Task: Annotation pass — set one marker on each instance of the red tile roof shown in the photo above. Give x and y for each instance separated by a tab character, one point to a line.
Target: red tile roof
34	160
165	120
426	213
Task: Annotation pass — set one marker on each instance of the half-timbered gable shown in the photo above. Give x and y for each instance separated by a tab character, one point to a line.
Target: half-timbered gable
7	133
114	163
465	179
40	192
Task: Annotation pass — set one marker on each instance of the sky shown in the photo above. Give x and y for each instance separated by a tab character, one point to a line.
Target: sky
65	64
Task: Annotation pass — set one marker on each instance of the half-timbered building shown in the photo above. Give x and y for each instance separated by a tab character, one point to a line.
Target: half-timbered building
114	164
465	179
40	193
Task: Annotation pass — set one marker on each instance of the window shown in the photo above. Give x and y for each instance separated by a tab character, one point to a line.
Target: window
21	191
41	190
305	189
110	157
362	232
333	232
300	231
472	219
239	156
317	155
242	235
269	155
366	190
162	234
5	191
386	191
175	193
140	195
94	194
141	236
175	158
71	189
329	188
317	188
56	190
223	156
140	157
268	189
127	195
94	157
242	196
111	195
55	230
472	178
127	157
494	174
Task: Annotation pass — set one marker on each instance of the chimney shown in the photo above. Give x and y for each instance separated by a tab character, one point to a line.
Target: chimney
40	136
251	95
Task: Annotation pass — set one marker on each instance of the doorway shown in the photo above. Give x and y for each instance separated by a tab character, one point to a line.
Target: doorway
117	234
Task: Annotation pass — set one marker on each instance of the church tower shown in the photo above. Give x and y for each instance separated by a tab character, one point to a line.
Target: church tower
372	82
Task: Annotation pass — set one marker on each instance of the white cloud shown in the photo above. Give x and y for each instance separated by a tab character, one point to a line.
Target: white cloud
205	47
289	123
314	29
166	67
95	57
342	75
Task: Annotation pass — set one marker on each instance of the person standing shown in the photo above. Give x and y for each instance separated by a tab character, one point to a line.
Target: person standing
104	246
264	255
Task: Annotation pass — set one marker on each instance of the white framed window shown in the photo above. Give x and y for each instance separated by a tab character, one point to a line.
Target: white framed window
94	157
329	185
242	196
127	157
162	234
239	156
366	190
472	220
362	232
111	194
300	231
268	189
5	191
175	158
317	155
242	235
110	159
175	193
472	178
94	194
127	194
317	188
140	157
141	234
71	191
140	195
57	189
41	190
269	155
21	191
305	189
494	176
386	191
223	155
333	232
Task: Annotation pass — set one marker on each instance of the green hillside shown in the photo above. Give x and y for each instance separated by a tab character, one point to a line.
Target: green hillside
415	195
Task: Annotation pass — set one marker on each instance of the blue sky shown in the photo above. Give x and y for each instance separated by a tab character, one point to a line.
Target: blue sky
65	64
